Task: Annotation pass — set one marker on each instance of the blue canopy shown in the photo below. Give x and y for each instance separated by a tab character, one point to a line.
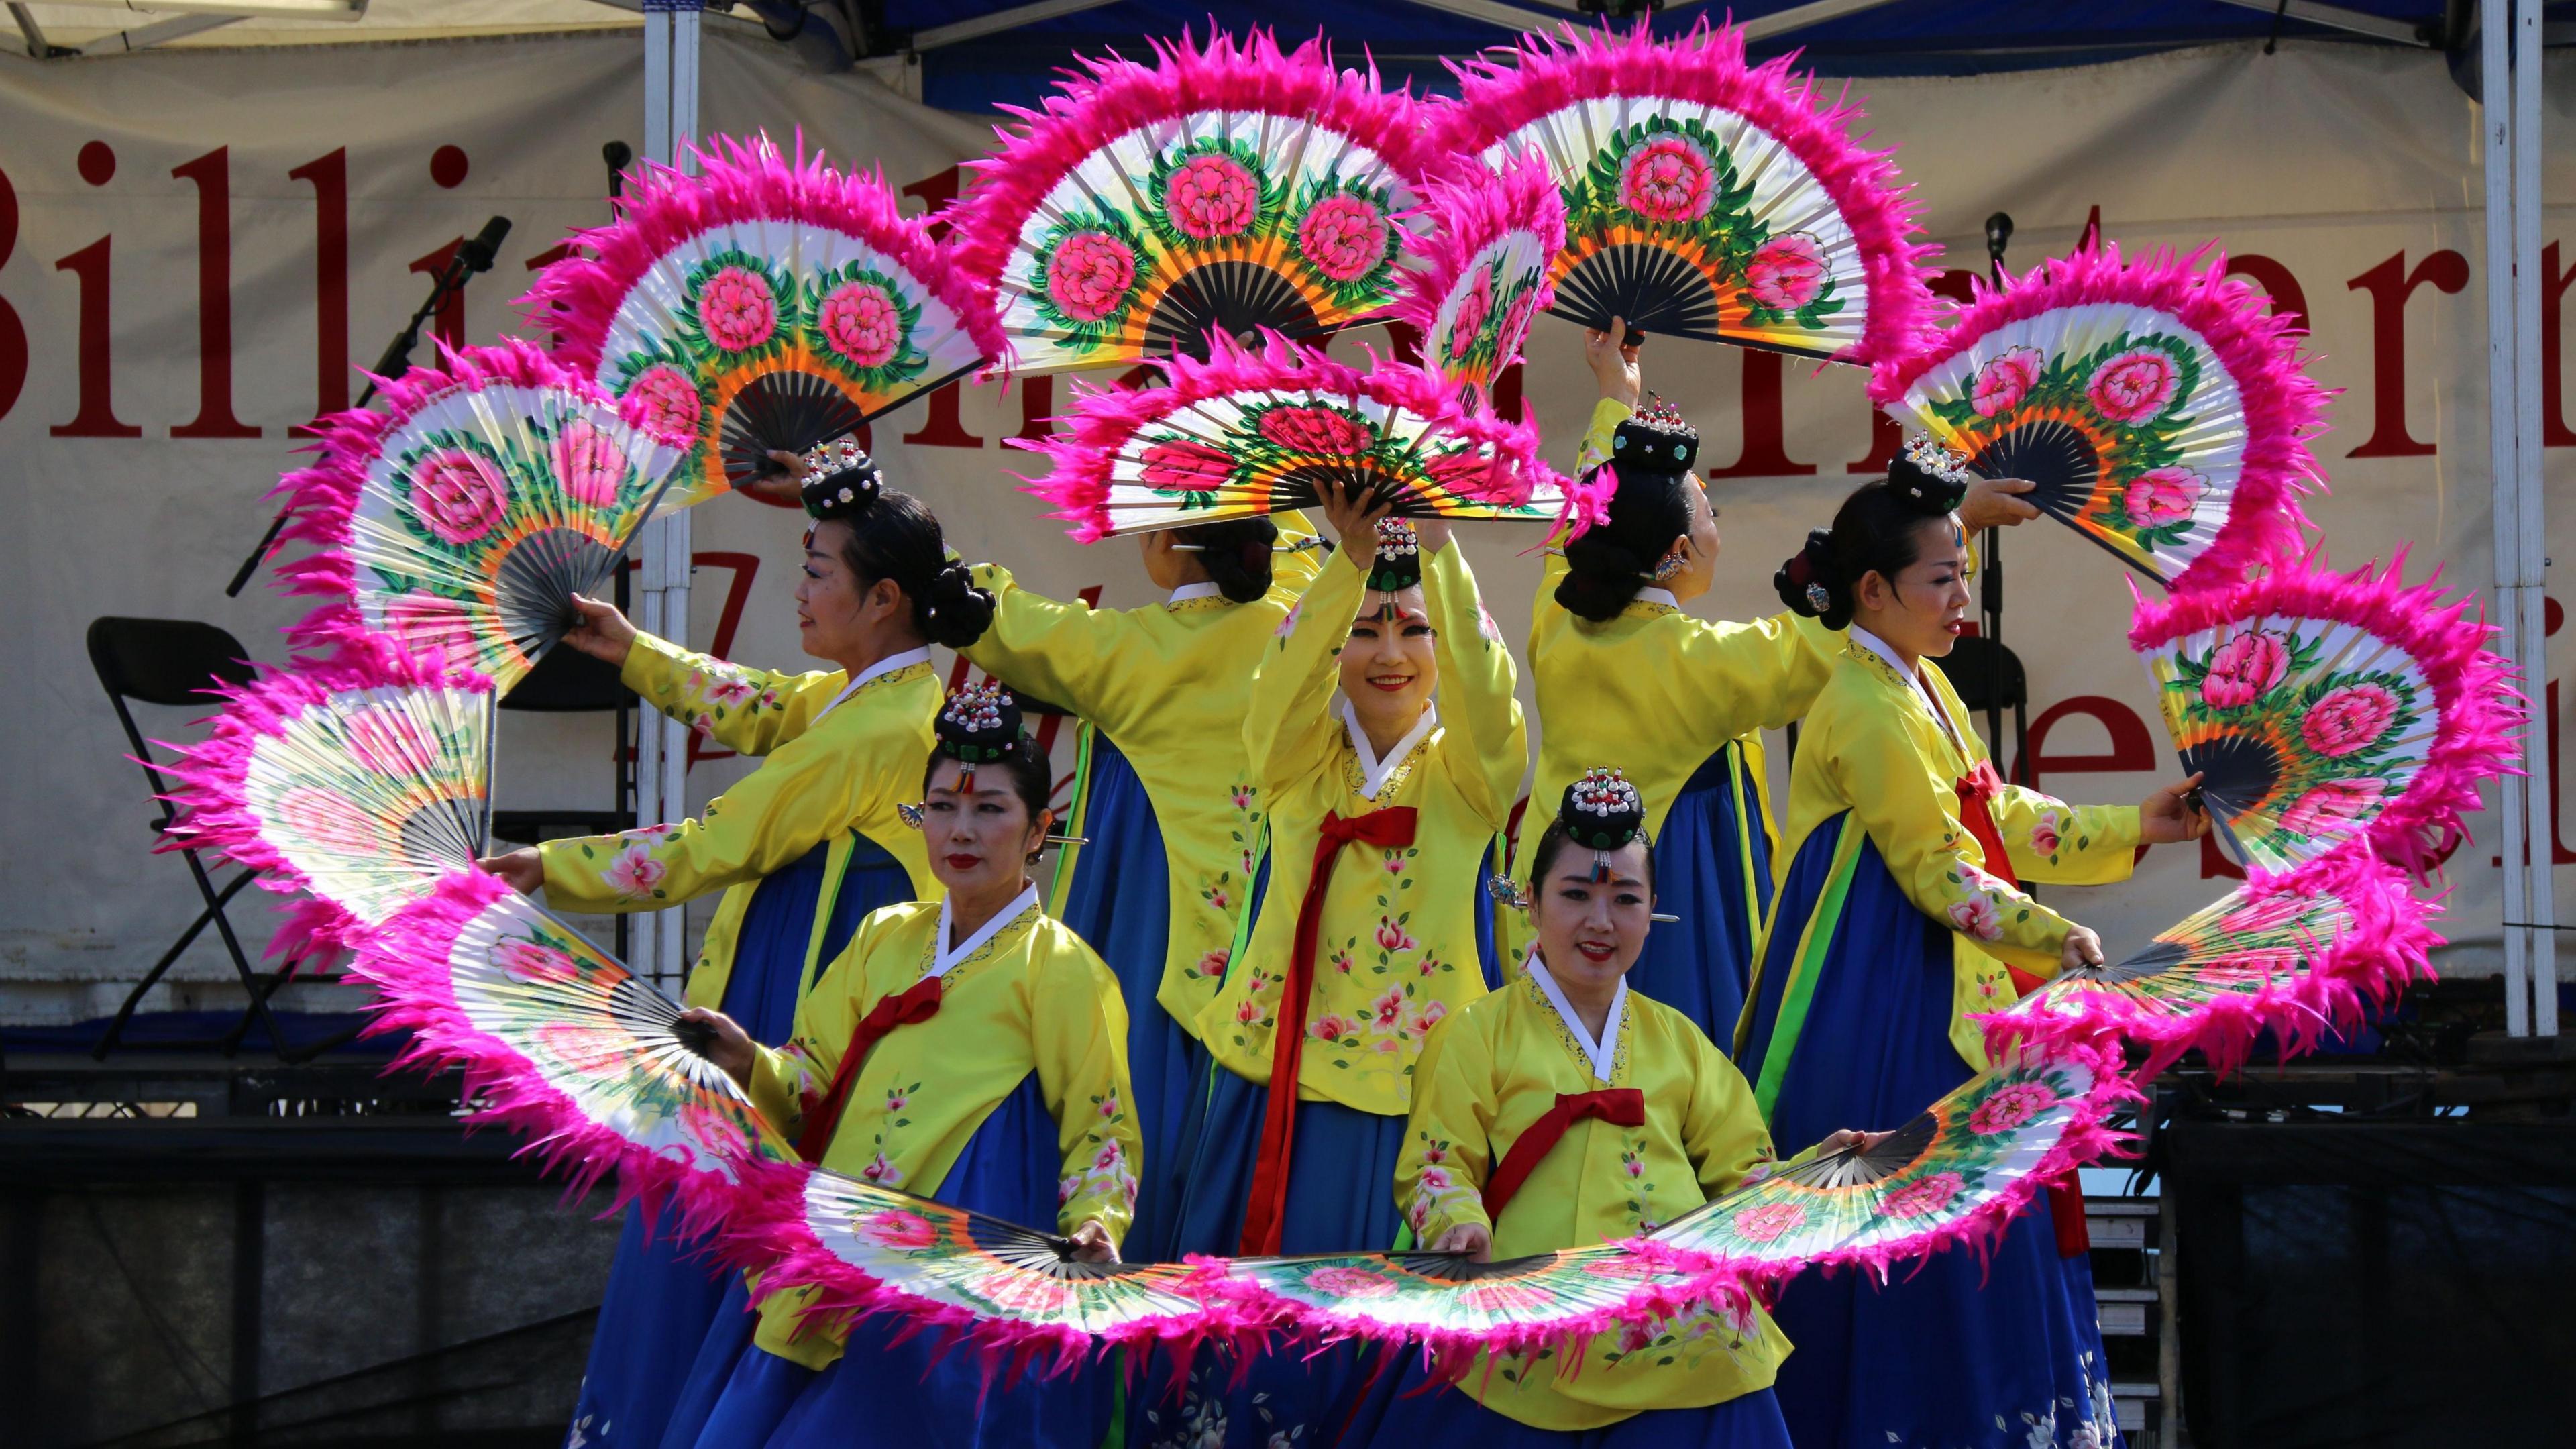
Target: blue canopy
1409	38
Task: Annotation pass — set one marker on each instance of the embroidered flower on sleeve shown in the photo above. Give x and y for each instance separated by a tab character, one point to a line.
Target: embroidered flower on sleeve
882	1172
2043	834
634	873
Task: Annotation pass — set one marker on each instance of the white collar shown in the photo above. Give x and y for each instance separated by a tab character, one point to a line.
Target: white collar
1372	769
1653	595
1914	677
878	670
1203	589
1603	1054
948	956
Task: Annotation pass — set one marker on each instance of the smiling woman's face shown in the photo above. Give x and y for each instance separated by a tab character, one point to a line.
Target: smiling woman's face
1388	670
980	841
1590	931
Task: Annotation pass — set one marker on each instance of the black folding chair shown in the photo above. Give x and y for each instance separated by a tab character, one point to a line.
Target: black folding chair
176	663
1989	680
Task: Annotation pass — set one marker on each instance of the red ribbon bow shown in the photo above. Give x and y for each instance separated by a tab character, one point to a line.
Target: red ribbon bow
1267	1211
1620	1106
919	1002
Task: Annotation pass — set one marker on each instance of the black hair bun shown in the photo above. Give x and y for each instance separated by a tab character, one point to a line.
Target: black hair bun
954	611
1602	811
979	724
1929	476
1236	555
840	479
1398	565
1811	583
1655	440
1602	576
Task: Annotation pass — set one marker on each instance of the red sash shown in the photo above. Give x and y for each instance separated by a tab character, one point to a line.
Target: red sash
919	1002
1267	1211
1622	1106
1979	786
2065	1199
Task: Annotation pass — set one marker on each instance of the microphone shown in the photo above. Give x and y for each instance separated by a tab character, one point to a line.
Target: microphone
477	255
618	155
1999	230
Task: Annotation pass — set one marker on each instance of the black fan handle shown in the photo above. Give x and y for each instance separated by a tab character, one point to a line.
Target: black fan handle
697	1036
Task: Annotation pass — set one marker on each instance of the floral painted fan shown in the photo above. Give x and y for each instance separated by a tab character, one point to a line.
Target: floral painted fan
1962	1167
2292	958
1484	274
1249	433
364	787
1227	188
2161	409
561	1041
2330	710
762	304
1449	1303
1704	197
457	521
866	1249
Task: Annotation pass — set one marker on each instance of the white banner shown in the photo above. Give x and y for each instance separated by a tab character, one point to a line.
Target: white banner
196	247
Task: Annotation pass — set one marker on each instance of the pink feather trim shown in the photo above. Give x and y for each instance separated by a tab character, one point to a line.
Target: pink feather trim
214	811
770	1233
1104	419
1109	98
406	959
2473	688
323	498
1465	217
2389	946
579	297
2284	407
1541	74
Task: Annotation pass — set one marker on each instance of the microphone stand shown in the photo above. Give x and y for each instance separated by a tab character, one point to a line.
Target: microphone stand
471	257
1999	230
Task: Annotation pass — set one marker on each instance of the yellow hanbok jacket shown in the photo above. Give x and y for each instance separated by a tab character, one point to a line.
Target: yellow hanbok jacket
1030	998
1873	756
1397	949
1171	684
1656	692
1489	1073
817	783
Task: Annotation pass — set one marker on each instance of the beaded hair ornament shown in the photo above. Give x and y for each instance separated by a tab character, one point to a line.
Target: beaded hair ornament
1934	477
1650	447
1602	811
839	476
1398	563
979	724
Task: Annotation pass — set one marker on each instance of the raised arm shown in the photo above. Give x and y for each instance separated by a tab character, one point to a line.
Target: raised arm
1078	1029
748	711
1063	653
2055	843
1440	1177
1289	728
1477	709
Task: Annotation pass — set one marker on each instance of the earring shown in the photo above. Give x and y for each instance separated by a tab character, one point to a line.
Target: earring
1670	565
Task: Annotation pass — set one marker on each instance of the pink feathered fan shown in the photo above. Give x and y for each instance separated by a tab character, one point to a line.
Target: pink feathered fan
2161	408
1224	188
1705	197
1484	274
762	304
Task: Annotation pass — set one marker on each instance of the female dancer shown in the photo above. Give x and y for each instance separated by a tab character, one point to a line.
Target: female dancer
1565	1110
1382	809
1900	913
1165	797
802	848
1611	651
974	1051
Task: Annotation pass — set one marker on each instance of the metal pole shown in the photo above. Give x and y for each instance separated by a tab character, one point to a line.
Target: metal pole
647	925
2532	575
2496	114
670	963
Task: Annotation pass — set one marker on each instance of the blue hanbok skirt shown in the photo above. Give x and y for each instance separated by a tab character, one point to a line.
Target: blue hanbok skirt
1118	899
662	1293
1404	1409
1713	870
2003	1353
924	1391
